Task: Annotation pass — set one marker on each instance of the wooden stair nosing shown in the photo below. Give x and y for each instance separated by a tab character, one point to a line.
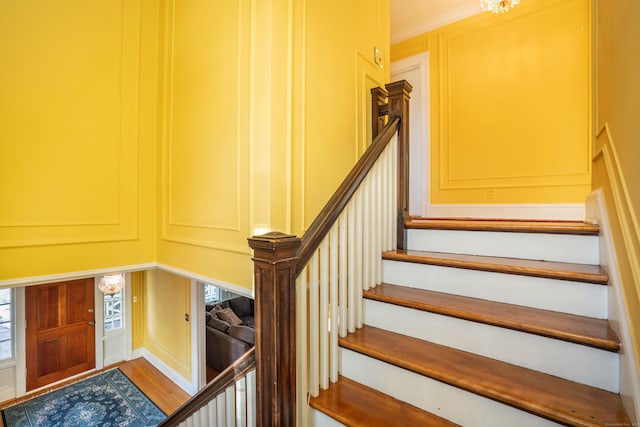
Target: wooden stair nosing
541	394
582	330
517	226
354	404
585	273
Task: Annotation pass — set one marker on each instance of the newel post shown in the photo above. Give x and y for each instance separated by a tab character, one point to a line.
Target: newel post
274	258
399	95
378	110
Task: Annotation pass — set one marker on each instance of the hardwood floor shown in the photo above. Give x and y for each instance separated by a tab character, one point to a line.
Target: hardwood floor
160	389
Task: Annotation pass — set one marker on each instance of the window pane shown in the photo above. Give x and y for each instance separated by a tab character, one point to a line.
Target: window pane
112	312
6	324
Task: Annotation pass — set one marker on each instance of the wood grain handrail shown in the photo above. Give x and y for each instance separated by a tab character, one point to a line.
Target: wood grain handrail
218	385
320	227
279	258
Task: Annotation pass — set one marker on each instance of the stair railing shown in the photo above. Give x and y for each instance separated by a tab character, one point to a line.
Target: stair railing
227	401
309	290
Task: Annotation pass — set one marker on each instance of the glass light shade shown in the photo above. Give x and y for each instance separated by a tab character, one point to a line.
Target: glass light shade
111	283
498	6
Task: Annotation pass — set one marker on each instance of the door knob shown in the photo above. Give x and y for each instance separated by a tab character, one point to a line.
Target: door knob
90	310
92	323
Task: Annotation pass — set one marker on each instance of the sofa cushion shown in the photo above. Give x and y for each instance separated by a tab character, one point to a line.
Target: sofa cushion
218	324
229	316
243	333
241	306
207	317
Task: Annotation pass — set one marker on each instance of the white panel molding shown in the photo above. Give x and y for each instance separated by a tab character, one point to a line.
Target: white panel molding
551	211
166	370
462	12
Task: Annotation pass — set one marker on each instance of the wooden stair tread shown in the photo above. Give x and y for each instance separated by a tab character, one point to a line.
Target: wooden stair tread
354	404
567	327
550	397
547	269
522	226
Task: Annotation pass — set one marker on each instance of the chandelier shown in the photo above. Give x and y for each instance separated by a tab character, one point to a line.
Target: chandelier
498	6
111	283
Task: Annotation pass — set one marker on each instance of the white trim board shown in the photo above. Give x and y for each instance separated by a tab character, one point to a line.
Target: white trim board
629	377
542	211
60	277
166	370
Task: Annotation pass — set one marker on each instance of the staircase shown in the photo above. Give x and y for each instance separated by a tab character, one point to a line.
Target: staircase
482	323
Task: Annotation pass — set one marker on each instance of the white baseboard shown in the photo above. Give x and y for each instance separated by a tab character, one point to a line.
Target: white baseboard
166	370
629	378
542	211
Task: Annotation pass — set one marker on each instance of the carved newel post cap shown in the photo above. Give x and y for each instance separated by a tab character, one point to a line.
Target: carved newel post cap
274	246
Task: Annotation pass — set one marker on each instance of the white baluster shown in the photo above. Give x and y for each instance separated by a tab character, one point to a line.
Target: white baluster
324	312
241	402
354	250
314	327
333	301
359	267
251	397
230	400
345	268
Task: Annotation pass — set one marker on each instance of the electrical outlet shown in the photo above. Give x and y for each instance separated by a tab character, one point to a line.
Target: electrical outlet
491	193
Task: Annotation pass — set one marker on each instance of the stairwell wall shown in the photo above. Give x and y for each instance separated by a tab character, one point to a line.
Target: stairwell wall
617	152
510	105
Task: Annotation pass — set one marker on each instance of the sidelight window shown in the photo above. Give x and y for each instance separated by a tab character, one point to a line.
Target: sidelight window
113	311
6	324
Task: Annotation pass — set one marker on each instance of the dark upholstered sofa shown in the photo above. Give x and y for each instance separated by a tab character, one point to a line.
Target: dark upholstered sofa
227	339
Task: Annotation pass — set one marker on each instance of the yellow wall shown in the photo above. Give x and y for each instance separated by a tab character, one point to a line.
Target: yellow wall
615	167
78	93
510	104
258	98
158	130
164	300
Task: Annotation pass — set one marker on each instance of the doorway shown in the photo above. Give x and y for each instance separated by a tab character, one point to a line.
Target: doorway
415	70
60	331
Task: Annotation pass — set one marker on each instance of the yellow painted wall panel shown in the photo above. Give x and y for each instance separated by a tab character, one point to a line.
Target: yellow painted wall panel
617	158
339	71
167	299
511	105
79	121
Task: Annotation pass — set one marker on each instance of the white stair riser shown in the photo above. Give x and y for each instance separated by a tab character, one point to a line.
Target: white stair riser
579	363
583	299
319	419
451	403
537	246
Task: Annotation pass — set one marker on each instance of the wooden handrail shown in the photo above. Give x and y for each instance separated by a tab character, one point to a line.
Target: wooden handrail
279	258
334	207
218	385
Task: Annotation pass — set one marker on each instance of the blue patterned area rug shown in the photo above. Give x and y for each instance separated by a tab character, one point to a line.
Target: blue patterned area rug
107	399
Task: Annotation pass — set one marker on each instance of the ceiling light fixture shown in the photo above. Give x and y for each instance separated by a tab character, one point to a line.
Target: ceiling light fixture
111	283
498	6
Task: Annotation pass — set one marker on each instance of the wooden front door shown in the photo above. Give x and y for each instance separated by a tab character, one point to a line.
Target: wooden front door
60	331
